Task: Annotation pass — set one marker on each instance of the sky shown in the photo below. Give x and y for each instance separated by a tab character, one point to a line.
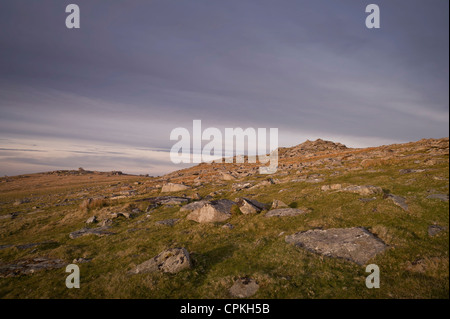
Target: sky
106	96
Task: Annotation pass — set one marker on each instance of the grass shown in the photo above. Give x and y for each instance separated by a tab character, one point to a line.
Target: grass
414	266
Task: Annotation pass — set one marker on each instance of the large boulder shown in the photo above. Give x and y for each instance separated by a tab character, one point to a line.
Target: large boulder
213	211
355	244
169	261
171	187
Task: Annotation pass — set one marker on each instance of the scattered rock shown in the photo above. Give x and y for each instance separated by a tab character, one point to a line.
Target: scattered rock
196	196
423	264
442	197
366	200
164	200
248	206
193	206
106	222
81	260
408	171
355	244
333	187
214	211
244	288
10	215
100	232
29	266
21	201
240	186
91	220
169	261
32	245
228	177
278	204
282	212
363	190
399	201
228	226
171	187
433	230
167	222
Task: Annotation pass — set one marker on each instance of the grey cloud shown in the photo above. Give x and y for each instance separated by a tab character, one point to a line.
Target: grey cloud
137	69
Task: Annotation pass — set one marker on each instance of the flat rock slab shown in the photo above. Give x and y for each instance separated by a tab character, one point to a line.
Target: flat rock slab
367	200
363	190
282	212
169	261
167	222
29	266
165	200
171	187
214	211
442	197
100	232
399	201
355	244
244	288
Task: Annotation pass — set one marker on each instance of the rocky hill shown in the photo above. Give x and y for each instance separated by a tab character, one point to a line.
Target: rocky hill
219	230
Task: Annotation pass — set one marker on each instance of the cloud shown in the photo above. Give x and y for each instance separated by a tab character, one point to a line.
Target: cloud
135	71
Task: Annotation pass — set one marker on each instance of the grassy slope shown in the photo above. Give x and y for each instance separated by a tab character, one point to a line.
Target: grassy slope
255	247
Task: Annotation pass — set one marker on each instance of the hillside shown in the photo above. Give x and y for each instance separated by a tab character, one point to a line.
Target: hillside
220	230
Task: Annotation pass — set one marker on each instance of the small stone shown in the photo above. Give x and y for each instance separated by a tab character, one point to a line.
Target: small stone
433	230
91	220
167	222
278	204
106	222
244	288
81	260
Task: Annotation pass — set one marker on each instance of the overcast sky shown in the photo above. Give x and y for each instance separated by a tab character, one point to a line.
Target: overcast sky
106	96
